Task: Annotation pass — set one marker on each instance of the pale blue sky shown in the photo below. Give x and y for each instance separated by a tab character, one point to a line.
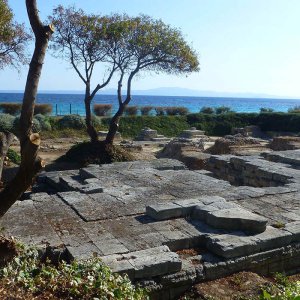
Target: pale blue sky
243	45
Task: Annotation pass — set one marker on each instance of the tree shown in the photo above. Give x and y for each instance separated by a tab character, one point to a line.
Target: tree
31	164
148	45
80	41
13	38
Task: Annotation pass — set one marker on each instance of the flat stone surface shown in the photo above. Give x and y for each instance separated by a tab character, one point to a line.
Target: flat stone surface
236	219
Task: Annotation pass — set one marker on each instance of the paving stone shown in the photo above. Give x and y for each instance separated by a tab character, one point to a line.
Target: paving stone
235	245
236	219
294	229
164	211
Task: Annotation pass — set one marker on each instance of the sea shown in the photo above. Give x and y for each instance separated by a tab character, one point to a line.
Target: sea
64	104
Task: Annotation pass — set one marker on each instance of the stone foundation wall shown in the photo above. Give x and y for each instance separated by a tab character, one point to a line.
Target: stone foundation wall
239	171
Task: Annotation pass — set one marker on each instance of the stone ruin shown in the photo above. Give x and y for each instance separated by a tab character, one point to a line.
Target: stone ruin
148	134
282	143
193	133
102	135
168	227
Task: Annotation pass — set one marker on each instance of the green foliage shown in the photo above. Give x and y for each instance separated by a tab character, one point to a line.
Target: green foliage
222	124
13	38
36	126
207	110
176	111
160	111
14	156
11	108
266	110
43	109
89	279
223	110
145	110
44	122
283	289
96	122
102	110
6	122
131	110
167	125
71	121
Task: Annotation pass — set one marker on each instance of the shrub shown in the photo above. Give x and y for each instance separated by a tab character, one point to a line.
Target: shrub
145	110
266	110
170	126
207	110
96	122
171	111
71	121
6	122
160	111
43	109
44	122
181	111
36	127
102	110
89	279
13	156
131	110
11	108
295	109
223	110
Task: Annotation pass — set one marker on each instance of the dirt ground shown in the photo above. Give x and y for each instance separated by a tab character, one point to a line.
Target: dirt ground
240	286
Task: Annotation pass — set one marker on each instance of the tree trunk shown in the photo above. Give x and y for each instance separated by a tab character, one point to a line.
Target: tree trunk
31	164
88	120
114	125
6	139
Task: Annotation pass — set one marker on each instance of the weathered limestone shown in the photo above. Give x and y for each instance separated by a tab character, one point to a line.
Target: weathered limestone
193	133
148	134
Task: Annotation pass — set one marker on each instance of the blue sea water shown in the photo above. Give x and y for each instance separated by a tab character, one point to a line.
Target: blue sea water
73	103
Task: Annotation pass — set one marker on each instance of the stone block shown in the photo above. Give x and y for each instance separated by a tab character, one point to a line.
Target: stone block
236	219
294	229
164	211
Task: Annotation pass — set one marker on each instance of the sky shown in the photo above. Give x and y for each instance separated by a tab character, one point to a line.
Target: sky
244	46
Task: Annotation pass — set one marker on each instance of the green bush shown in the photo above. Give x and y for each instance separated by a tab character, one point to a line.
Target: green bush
131	110
14	156
6	122
207	110
266	110
11	108
36	127
71	121
44	122
145	110
223	110
170	126
160	111
176	111
96	121
89	279
102	110
43	109
222	124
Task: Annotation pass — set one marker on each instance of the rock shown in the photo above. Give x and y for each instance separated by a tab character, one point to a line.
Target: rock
192	133
227	144
282	143
250	131
236	219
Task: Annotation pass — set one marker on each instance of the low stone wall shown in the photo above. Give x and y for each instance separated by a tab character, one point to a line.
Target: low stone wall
246	171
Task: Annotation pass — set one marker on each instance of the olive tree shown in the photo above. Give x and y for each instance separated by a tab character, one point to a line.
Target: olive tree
31	164
143	44
13	38
80	41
